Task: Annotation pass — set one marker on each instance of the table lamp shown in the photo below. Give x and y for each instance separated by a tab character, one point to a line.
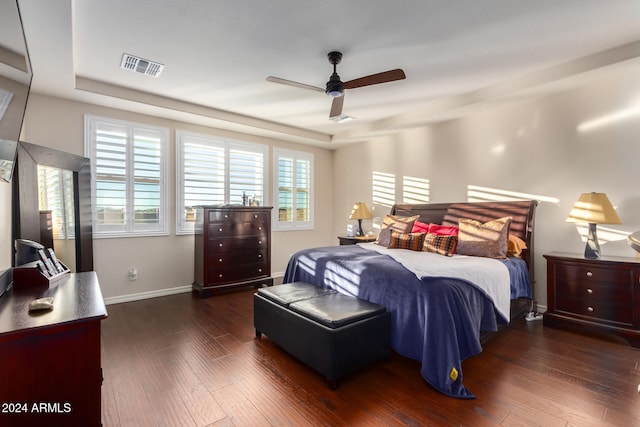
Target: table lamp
593	208
360	212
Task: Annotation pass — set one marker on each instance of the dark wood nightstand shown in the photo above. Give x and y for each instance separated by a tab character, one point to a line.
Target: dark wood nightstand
345	240
598	294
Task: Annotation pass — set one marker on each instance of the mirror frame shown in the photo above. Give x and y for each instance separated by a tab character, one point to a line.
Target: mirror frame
26	214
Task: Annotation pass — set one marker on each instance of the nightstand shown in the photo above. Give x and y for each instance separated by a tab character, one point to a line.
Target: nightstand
597	294
346	240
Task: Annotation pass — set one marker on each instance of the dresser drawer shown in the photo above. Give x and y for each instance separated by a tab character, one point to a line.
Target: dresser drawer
239	229
590	274
219	274
231	215
612	302
232	244
240	257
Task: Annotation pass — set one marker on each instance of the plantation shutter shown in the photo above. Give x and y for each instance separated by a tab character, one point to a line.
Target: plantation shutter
216	171
147	152
246	176
129	166
294	190
111	177
285	189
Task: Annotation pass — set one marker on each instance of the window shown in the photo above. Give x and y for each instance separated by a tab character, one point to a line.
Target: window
129	168
216	171
293	189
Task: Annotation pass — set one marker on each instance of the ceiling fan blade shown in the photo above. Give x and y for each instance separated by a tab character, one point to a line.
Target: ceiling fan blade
294	84
336	106
374	79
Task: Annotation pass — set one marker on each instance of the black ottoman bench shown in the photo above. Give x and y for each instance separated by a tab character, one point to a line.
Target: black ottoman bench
335	334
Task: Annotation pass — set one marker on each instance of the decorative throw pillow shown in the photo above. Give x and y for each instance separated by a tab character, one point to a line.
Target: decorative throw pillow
397	223
411	241
445	230
420	227
440	244
486	240
515	246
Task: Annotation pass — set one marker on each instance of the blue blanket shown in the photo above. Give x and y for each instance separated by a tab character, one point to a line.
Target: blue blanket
436	321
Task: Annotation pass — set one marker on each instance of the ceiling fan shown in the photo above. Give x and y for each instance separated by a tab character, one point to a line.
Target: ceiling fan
335	87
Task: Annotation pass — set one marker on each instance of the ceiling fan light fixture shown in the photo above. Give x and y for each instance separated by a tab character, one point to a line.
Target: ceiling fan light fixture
335	87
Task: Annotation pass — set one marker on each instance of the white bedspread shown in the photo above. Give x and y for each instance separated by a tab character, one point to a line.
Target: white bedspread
489	275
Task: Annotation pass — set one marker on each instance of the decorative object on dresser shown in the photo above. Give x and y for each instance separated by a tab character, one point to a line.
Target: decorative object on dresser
360	212
232	248
51	369
601	295
593	209
348	240
634	241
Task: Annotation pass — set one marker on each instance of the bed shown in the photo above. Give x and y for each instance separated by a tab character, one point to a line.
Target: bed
438	319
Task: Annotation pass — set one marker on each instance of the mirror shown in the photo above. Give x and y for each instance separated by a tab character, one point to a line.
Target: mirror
57	216
15	79
78	240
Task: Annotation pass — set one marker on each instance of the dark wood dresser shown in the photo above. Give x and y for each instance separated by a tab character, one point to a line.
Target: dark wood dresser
598	294
232	248
50	360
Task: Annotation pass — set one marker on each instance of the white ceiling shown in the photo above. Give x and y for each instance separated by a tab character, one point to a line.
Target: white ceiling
217	54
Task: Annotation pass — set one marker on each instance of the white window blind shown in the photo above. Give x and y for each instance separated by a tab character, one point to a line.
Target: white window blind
293	189
129	169
216	171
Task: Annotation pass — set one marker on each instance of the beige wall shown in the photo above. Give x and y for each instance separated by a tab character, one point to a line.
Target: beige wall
533	147
165	263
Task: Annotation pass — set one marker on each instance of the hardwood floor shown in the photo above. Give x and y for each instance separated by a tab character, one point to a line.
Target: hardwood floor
184	361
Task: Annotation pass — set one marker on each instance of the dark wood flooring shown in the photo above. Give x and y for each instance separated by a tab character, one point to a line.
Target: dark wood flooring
184	361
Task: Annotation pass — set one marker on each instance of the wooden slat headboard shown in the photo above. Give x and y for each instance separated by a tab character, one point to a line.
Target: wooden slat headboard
522	212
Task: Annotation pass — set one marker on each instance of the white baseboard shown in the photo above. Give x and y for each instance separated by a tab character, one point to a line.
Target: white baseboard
160	293
147	295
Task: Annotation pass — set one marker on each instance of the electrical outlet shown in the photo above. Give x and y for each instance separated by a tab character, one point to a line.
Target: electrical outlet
133	274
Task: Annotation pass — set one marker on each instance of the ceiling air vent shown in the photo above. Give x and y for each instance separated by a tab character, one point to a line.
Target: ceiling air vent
139	65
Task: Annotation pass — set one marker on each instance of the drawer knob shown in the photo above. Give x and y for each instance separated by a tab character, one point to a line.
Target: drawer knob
220	275
255	215
589	291
259	270
259	255
220	244
589	274
259	228
219	259
259	242
590	309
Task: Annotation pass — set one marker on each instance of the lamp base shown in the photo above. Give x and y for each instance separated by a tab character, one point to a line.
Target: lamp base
360	230
592	250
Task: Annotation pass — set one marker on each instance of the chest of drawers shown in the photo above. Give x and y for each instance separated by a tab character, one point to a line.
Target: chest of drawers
232	248
601	294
